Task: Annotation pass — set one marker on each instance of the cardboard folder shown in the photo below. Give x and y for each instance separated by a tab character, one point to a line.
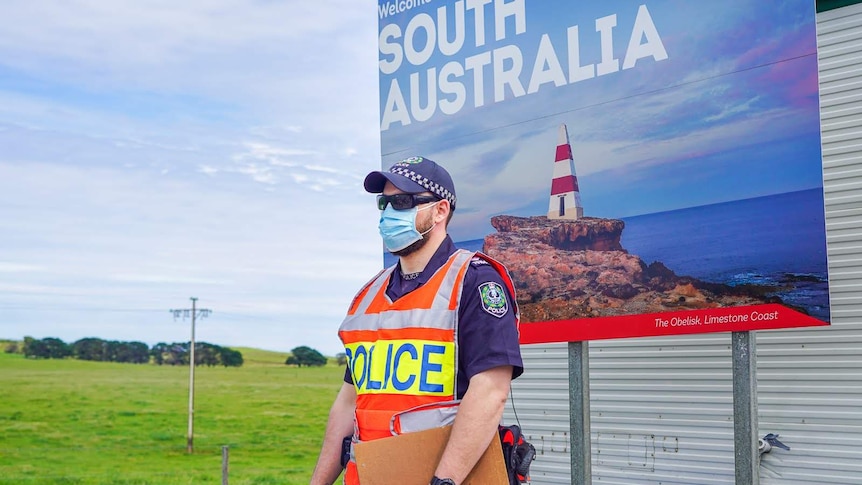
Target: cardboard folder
411	458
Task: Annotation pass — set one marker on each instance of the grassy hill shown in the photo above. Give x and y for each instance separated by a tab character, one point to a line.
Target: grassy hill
79	422
258	357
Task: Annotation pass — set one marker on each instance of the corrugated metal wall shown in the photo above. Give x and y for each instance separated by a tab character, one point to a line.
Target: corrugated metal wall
810	382
661	408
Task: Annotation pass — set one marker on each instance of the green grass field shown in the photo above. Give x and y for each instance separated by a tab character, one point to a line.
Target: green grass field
79	422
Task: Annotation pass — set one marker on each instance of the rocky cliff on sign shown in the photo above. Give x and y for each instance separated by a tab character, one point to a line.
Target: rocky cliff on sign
576	269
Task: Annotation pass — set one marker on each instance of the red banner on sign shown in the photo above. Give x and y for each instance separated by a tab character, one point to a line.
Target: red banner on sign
726	319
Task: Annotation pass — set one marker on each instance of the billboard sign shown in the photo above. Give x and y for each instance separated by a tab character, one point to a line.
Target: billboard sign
642	168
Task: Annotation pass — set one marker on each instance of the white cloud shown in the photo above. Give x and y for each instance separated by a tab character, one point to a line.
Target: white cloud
9	267
733	109
164	278
206	169
321	168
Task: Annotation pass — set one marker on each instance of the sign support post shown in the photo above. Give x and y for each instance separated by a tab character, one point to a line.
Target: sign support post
579	412
746	453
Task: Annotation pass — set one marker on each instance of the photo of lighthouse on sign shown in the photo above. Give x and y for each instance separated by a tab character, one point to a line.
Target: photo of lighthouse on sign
641	168
565	197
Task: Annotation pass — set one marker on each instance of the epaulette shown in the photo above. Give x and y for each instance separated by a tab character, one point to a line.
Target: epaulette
477	261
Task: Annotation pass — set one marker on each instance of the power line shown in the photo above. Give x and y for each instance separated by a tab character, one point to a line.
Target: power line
79	309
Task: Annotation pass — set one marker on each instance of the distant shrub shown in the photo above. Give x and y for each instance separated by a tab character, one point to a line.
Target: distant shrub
306	356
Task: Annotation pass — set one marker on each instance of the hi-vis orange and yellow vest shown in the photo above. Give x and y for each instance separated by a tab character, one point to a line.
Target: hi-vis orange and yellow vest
403	355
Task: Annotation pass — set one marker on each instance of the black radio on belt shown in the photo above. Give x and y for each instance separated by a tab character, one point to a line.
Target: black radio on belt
345	450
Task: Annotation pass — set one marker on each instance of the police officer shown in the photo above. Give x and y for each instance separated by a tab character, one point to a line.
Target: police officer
437	331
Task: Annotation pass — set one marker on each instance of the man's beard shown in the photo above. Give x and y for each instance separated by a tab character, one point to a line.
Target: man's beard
416	246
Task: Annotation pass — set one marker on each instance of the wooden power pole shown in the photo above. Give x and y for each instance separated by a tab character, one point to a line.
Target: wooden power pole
194	312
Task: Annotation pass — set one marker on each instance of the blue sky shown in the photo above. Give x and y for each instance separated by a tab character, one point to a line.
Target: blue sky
155	151
732	113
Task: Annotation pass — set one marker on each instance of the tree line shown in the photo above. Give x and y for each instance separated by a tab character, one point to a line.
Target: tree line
99	350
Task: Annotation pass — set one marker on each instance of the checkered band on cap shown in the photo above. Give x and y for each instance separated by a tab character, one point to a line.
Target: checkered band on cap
405	171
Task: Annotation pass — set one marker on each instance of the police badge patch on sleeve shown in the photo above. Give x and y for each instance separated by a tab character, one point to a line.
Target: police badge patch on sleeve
493	299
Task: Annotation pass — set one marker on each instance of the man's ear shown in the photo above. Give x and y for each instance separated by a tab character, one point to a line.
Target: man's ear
443	210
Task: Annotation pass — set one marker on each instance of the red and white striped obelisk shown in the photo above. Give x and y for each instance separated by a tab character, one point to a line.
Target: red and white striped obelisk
565	196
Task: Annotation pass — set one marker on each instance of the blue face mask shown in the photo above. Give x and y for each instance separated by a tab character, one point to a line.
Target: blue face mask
398	227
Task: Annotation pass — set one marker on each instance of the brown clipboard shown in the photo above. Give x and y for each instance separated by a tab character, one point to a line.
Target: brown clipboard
411	458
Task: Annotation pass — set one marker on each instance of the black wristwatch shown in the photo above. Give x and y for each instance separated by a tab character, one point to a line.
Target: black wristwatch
442	481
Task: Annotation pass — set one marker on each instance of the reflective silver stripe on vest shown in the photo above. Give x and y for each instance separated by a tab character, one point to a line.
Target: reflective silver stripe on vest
437	317
373	288
434	318
427	416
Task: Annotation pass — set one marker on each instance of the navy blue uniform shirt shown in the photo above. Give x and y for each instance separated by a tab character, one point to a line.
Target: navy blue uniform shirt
485	340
